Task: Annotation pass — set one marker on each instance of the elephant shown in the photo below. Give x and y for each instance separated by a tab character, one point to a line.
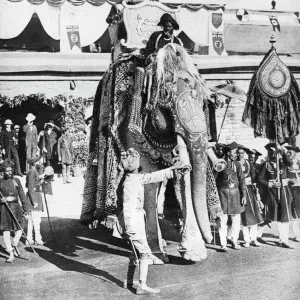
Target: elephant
157	109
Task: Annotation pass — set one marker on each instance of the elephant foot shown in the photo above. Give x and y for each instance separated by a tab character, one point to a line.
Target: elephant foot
191	255
158	259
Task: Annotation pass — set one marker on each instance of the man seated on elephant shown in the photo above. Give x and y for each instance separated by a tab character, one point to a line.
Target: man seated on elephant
232	190
159	39
133	217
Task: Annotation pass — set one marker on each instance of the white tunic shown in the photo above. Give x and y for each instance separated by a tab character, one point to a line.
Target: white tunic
133	200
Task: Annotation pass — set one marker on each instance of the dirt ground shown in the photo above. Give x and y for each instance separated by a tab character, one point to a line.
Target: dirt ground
80	263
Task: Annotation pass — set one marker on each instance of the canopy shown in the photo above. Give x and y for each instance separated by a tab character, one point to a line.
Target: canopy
55	15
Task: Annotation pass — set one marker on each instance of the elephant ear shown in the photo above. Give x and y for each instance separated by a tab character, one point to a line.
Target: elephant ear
189	105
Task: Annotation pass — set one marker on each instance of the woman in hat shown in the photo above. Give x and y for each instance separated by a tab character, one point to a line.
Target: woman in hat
34	195
11	192
159	39
294	175
9	142
251	216
65	154
279	198
49	141
31	138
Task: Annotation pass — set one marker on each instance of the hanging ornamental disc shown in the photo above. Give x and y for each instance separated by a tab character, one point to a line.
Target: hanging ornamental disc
274	76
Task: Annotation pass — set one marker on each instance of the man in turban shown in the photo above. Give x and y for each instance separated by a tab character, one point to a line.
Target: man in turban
159	39
11	192
278	194
232	190
133	218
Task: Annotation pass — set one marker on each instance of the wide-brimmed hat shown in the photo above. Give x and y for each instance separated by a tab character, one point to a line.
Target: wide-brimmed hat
8	122
30	117
165	18
253	151
230	147
50	122
289	147
16	126
243	148
33	160
271	145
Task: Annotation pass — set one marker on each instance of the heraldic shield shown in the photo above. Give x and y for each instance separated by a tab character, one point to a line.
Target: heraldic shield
216	19
218	42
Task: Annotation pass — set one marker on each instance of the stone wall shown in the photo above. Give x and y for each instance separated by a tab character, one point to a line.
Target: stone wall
233	129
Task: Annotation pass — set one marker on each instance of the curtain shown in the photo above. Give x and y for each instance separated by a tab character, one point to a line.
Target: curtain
89	15
90	19
194	23
14	17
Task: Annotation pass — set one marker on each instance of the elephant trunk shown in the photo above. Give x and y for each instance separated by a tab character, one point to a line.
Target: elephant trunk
198	186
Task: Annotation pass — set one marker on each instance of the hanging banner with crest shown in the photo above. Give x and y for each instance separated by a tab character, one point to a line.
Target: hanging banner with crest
218	42
74	36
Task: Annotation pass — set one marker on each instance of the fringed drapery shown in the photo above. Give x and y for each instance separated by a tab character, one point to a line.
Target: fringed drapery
58	3
195	7
272	107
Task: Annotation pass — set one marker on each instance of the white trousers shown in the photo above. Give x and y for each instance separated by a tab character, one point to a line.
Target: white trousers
295	228
283	229
34	223
250	233
233	231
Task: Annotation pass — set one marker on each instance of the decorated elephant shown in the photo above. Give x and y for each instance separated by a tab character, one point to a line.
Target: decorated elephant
159	110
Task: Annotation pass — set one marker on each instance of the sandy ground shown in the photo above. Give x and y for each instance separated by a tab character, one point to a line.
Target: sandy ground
89	264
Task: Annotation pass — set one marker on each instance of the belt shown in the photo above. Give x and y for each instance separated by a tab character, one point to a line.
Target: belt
36	189
248	181
285	182
11	198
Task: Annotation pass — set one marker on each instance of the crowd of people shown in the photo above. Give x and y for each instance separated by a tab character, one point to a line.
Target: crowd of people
255	192
52	143
40	149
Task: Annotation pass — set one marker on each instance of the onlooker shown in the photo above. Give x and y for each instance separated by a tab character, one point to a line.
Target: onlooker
31	139
9	142
65	154
11	190
232	191
36	201
49	141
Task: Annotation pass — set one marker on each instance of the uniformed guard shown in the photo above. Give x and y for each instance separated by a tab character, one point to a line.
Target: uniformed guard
273	176
293	174
251	216
232	190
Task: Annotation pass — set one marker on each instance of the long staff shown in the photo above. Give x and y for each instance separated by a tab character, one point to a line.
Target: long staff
48	212
16	221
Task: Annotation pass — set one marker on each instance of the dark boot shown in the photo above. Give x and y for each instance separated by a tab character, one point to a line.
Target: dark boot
128	282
